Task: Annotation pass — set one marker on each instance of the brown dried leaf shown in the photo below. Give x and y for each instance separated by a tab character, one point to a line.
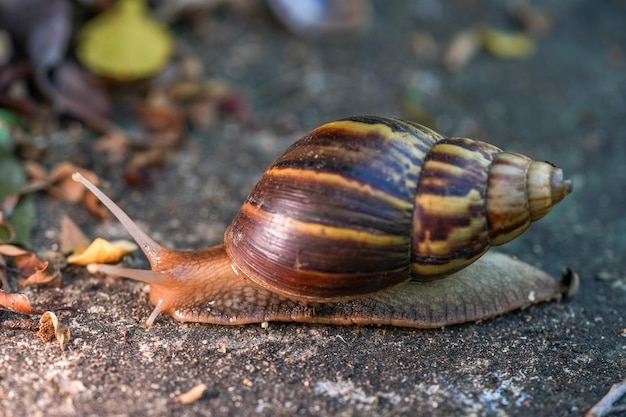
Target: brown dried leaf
114	145
533	20
73	92
50	327
460	51
34	170
12	250
103	251
159	113
59	184
64	187
48	275
28	263
192	395
17	303
71	238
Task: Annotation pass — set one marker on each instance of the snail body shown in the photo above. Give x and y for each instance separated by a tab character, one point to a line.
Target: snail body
365	220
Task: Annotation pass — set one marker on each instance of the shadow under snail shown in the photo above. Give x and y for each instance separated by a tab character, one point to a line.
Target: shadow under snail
366	220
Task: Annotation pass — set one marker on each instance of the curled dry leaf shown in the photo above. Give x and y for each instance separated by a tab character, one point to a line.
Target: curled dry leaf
533	20
103	251
71	238
158	113
18	303
27	263
192	395
13	251
460	50
51	328
60	185
48	275
114	145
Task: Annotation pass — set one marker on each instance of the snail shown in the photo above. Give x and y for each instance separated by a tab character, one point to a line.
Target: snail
365	220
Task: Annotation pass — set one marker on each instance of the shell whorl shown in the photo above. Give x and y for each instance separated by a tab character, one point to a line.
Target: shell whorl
366	203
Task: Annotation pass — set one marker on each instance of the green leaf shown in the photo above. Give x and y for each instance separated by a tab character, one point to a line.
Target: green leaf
12	179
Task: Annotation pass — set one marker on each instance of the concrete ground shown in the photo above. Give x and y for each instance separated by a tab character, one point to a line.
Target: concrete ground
566	103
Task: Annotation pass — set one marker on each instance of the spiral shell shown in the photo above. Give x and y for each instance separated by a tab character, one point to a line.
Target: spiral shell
366	203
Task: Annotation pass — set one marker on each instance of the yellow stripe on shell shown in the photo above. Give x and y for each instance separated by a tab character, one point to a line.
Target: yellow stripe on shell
361	127
448	206
430	272
321	230
539	190
507	204
339	182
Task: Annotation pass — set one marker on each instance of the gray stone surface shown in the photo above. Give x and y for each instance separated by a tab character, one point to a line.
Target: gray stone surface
565	104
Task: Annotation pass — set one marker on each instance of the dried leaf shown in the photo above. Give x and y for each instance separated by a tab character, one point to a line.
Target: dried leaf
27	263
114	145
59	183
17	303
533	20
50	327
12	250
192	395
125	43
64	186
159	113
506	44
460	50
71	238
47	275
103	251
73	92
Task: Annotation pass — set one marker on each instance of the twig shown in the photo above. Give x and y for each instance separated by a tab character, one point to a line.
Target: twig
607	405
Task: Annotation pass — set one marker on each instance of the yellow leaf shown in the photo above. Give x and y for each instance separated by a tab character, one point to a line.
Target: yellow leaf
506	44
125	43
103	251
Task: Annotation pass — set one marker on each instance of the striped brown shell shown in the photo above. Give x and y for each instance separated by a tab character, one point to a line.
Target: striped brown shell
366	203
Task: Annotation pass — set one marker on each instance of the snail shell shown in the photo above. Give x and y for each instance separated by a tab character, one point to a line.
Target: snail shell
366	203
346	224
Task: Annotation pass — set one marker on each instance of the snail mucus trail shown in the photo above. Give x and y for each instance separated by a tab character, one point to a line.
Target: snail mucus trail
366	220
